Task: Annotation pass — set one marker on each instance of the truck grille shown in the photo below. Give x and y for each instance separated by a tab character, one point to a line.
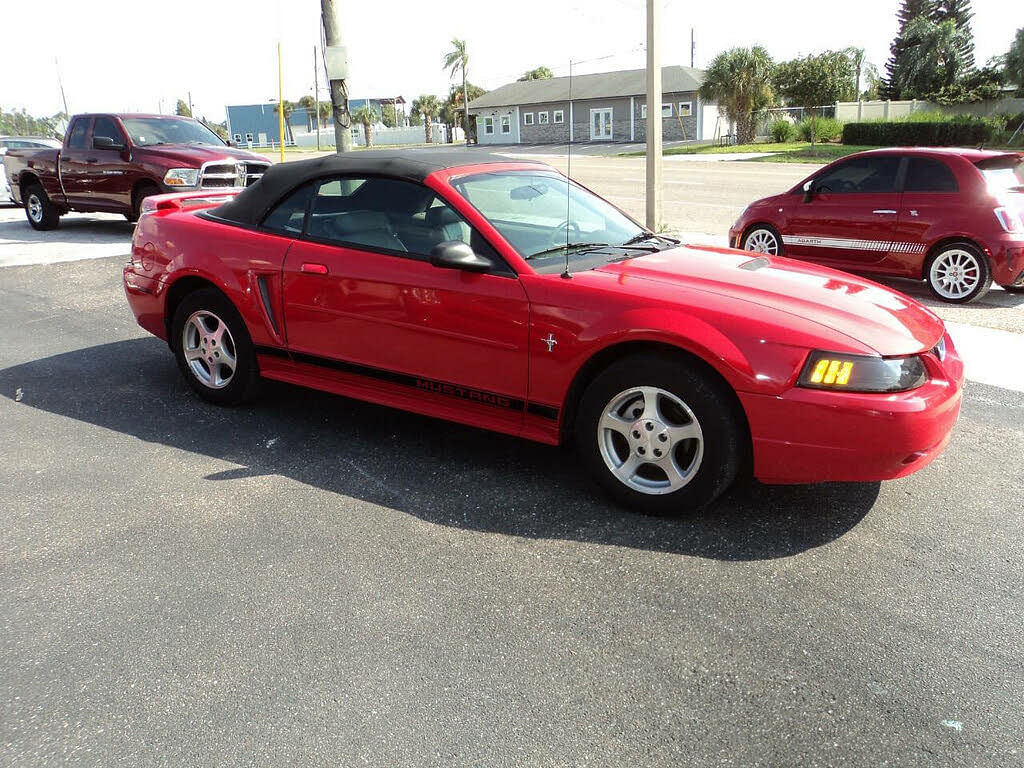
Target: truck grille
225	173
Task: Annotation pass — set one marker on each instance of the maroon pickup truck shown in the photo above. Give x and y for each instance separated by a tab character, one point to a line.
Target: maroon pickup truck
110	163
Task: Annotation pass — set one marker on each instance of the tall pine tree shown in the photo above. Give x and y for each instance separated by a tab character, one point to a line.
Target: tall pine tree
909	10
960	12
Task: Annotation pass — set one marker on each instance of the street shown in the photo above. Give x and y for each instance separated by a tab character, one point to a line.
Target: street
316	581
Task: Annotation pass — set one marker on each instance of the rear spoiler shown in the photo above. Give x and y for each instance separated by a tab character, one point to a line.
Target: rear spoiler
181	201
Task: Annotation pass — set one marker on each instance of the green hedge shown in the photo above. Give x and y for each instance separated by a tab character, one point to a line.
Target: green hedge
825	129
957	131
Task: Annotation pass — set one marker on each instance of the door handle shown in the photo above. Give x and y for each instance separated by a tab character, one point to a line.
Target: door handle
313	269
882	211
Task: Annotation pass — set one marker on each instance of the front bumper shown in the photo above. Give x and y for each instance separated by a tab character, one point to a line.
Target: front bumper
812	436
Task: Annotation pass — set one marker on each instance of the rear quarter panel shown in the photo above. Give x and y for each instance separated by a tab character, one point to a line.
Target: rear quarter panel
169	247
23	165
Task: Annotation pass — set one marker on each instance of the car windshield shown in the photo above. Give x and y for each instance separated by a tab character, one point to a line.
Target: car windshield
1003	173
539	213
147	131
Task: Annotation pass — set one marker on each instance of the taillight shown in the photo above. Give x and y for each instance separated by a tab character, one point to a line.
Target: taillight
1010	220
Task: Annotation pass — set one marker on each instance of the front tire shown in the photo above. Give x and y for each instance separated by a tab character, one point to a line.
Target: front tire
140	194
763	239
41	212
660	435
213	348
958	273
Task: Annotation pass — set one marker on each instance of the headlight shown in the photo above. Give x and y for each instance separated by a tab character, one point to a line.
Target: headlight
182	177
862	373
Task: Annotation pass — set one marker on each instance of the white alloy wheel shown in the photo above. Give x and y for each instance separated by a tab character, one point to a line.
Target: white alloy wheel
762	240
955	274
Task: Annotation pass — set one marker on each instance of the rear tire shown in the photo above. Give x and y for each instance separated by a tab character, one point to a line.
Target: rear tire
213	348
42	214
958	273
660	435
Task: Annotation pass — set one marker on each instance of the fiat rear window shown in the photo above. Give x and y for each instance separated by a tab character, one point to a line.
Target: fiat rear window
1003	173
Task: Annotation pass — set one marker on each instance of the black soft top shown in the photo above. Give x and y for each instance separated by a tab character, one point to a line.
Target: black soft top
250	205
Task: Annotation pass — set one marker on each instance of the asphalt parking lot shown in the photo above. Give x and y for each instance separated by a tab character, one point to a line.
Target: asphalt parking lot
316	581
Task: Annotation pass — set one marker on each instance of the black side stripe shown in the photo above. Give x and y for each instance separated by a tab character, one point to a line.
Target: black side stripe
416	382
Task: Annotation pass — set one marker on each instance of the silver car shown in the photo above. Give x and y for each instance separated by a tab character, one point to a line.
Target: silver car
19	142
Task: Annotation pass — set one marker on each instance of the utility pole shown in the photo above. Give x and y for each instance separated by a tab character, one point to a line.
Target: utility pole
337	72
693	48
654	219
316	98
191	113
280	102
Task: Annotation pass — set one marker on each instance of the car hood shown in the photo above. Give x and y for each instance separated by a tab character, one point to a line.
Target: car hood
194	155
886	321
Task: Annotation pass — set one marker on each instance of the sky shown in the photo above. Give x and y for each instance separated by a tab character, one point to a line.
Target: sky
143	55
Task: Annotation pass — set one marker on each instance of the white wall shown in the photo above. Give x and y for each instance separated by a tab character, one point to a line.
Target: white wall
415	134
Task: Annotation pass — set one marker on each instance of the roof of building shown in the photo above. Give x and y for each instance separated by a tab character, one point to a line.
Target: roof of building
252	203
601	85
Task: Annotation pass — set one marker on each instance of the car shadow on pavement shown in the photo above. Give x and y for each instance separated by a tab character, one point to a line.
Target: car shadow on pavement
72	231
440	472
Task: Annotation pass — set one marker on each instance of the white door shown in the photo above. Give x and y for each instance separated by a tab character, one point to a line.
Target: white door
601	124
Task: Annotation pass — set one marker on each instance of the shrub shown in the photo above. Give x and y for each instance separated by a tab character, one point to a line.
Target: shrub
955	130
781	131
825	129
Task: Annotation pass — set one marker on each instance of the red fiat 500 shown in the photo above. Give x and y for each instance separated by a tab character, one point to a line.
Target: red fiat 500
952	217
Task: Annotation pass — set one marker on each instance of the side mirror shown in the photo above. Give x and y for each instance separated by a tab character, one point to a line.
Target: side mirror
105	142
455	254
808	190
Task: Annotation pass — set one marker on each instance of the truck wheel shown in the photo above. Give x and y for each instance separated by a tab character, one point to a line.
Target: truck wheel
141	193
213	348
41	213
660	435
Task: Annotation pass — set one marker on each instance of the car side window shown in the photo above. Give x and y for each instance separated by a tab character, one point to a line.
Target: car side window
865	174
386	214
107	128
925	174
76	140
289	215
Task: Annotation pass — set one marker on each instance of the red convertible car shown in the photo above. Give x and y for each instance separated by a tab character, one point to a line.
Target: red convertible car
952	217
502	295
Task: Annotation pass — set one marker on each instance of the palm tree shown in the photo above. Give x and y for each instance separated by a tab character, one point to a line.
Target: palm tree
933	57
540	73
367	116
289	107
429	106
740	81
455	60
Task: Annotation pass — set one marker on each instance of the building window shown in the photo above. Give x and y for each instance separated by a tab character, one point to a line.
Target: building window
488	125
248	138
542	117
506	124
527	118
238	138
685	108
666	111
559	116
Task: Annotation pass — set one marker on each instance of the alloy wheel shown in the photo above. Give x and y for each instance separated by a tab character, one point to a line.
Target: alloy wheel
650	440
762	241
35	208
955	273
209	349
